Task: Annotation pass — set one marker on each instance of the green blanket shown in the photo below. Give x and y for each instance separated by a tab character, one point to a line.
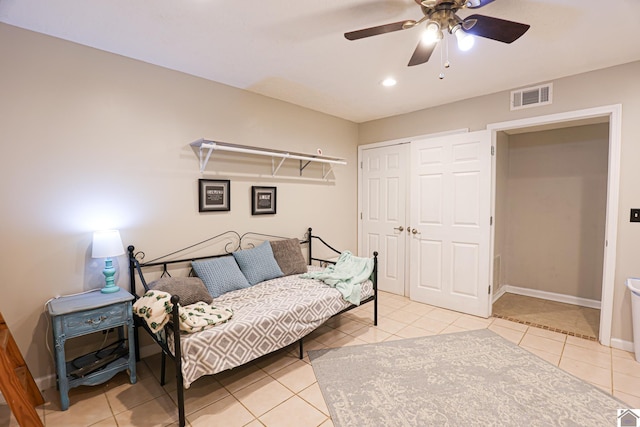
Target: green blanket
346	275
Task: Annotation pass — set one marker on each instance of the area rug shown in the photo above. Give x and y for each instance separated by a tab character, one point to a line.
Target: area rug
474	378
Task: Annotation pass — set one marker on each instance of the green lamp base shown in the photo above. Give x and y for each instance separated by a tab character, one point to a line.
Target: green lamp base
109	272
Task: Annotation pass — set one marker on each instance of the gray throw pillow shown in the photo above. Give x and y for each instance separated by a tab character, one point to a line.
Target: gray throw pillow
189	289
258	264
220	275
289	256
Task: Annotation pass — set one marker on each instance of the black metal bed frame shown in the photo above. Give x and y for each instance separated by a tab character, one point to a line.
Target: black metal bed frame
236	242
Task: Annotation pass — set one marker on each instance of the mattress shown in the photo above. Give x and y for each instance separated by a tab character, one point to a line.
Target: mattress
266	317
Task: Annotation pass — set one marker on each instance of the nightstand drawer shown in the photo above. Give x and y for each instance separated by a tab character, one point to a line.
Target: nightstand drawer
95	320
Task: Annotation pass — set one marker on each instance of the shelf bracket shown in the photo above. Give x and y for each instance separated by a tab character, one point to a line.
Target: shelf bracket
325	175
203	162
274	171
305	165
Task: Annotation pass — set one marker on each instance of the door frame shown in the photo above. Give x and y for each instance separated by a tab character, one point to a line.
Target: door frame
614	114
380	144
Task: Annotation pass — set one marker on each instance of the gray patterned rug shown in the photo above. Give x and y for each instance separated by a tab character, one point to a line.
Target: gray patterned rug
474	378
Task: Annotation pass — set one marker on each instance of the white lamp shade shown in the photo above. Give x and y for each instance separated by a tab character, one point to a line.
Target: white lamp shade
106	244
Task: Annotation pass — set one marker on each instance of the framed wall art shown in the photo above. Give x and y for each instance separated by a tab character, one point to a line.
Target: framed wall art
214	195
263	200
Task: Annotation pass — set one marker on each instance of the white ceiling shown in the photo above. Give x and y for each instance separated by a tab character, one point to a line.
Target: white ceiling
295	50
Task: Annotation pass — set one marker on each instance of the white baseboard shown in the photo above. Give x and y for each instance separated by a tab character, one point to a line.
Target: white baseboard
498	294
622	345
567	299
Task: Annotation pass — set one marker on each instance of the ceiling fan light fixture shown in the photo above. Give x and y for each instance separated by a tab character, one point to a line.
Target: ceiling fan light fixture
465	41
432	34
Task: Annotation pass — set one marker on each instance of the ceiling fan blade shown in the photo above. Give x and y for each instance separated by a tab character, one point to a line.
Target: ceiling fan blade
496	29
422	53
475	4
374	31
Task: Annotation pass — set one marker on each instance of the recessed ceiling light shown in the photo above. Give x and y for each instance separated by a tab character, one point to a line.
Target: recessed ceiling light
389	81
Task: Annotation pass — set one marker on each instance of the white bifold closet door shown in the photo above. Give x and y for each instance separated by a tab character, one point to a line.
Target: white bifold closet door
450	214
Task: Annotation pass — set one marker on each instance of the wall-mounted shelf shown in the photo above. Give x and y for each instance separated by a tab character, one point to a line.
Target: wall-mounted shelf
206	148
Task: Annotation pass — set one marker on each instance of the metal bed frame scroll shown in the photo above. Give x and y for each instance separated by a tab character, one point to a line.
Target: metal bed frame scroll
234	241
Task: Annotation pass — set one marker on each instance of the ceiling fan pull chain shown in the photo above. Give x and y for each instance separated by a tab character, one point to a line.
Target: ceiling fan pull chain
447	64
442	62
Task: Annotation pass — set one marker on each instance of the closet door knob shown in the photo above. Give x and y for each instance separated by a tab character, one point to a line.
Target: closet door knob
414	231
401	228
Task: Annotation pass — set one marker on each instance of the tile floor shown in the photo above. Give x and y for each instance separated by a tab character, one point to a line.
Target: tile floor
281	390
568	319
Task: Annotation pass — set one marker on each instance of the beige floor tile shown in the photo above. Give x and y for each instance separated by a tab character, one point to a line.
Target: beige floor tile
442	315
330	336
263	395
588	372
227	412
238	378
327	423
615	352
296	376
586	355
627	366
385	310
590	345
412	331
554	359
451	329
556	336
364	316
403	317
313	395
157	412
393	302
295	412
127	396
349	325
633	402
542	343
203	392
89	405
109	422
389	325
430	324
626	383
371	334
510	325
417	308
507	333
278	360
347	341
471	323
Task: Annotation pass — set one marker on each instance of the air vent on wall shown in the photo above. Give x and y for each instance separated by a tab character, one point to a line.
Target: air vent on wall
531	96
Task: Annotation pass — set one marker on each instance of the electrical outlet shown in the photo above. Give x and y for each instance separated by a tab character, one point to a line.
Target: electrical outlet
635	215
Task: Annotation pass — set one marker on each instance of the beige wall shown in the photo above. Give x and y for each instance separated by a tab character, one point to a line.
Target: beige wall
555	201
616	85
92	140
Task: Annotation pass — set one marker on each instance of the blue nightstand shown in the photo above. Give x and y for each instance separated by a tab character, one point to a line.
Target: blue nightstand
78	315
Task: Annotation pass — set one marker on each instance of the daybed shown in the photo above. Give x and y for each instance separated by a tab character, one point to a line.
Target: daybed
267	315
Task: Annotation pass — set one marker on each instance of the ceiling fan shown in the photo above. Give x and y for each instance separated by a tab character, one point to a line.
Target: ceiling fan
440	15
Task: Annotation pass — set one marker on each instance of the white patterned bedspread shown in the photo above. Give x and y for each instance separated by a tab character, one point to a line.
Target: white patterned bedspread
266	317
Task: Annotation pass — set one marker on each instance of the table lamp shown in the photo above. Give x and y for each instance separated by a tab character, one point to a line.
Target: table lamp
107	244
